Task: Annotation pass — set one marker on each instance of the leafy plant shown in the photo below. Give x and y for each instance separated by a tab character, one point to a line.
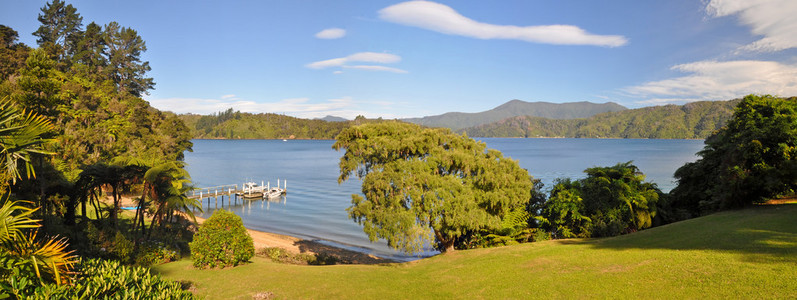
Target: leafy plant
103	279
222	241
27	260
283	256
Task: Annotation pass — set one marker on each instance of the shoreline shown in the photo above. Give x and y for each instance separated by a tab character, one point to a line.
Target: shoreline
296	245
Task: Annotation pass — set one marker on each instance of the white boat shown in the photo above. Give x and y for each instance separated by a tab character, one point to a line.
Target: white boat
252	190
274	193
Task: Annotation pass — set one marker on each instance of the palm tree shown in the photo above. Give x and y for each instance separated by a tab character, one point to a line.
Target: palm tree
165	185
21	254
20	137
25	254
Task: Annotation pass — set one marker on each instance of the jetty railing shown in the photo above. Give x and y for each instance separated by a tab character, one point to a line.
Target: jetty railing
214	191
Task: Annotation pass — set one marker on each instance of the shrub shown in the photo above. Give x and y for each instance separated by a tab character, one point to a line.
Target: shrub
221	241
281	255
155	252
103	279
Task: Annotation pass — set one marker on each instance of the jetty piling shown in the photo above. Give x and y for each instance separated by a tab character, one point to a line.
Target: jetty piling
232	191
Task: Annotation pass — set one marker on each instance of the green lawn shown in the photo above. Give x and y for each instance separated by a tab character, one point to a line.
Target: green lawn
749	253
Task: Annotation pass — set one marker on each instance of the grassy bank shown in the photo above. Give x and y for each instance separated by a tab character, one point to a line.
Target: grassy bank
749	253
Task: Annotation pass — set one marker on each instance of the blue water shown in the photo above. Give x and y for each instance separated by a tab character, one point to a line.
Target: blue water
315	206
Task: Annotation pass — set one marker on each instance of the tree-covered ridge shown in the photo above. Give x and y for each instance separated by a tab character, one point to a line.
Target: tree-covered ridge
515	108
238	125
690	121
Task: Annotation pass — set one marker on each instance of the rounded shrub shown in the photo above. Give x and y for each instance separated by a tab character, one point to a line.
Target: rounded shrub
221	241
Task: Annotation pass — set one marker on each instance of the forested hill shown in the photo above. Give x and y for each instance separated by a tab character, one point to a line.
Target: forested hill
238	125
514	108
694	120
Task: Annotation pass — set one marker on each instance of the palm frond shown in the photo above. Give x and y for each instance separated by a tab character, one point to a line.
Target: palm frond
13	218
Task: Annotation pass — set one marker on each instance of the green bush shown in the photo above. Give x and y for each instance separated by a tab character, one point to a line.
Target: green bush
107	243
101	279
221	241
155	252
281	255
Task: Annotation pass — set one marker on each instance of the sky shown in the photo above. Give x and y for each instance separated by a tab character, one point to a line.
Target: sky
394	59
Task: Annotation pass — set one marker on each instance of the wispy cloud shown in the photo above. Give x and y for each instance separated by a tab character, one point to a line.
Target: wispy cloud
773	19
331	33
444	19
377	68
368	57
229	96
345	107
715	80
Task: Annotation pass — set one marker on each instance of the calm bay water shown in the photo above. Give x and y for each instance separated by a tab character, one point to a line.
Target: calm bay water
314	207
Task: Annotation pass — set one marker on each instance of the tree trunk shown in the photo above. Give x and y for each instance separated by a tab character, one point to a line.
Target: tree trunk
115	209
446	244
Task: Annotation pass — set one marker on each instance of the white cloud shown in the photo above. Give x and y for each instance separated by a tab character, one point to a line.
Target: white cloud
377	68
369	57
444	19
714	80
229	96
773	19
331	33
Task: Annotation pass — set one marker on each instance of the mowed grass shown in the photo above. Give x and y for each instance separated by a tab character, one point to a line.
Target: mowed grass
749	253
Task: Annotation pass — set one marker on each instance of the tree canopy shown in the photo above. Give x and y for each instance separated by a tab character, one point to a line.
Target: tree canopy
608	202
427	185
749	160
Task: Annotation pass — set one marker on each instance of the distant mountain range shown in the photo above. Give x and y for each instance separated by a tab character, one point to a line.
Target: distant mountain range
515	108
696	120
332	119
512	119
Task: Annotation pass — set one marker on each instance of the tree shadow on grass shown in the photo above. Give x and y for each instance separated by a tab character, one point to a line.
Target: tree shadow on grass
762	234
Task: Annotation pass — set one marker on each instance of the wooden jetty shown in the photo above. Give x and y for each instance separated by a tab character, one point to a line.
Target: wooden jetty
233	192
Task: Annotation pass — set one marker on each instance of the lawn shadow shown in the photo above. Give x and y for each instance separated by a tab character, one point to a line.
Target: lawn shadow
763	234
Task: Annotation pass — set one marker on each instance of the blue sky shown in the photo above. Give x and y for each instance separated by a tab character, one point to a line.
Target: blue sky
409	59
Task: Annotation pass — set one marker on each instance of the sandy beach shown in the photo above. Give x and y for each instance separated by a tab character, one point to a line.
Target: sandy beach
296	245
292	244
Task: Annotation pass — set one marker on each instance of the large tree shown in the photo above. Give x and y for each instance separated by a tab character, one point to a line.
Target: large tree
12	53
749	160
427	184
60	24
125	67
609	201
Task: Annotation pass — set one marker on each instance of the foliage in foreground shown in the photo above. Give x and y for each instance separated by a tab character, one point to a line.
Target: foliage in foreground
428	185
24	256
751	159
222	241
609	201
102	279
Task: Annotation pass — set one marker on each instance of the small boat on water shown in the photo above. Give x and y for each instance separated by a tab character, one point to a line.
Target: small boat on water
274	193
252	190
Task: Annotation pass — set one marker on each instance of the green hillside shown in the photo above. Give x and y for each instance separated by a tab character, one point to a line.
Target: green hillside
572	110
238	125
749	253
694	120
